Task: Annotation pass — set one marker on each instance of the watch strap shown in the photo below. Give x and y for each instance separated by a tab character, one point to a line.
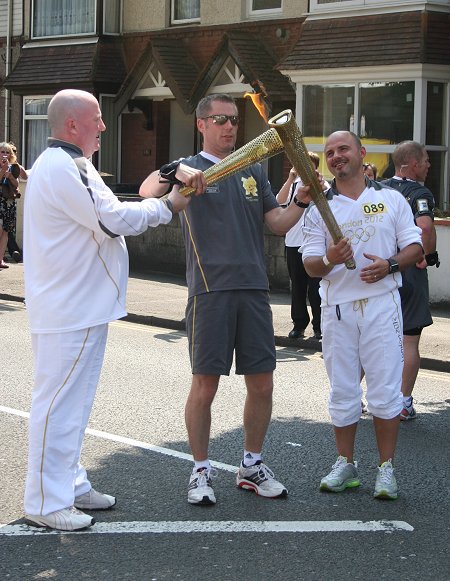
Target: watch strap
299	203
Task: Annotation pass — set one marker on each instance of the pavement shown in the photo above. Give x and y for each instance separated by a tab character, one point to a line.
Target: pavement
159	299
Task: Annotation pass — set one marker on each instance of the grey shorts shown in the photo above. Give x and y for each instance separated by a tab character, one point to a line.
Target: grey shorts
415	299
222	323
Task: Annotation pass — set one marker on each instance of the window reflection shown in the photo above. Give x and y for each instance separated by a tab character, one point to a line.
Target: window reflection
435	114
387	111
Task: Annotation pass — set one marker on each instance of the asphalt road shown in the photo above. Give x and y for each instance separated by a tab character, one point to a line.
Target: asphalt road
136	449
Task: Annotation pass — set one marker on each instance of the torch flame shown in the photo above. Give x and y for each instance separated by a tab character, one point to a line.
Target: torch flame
258	102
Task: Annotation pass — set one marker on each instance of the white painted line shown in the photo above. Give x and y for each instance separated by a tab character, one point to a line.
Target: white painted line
134	443
294	444
14	412
177	527
159	449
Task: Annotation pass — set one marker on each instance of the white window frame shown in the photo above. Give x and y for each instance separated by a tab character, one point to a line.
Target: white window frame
381	5
184	20
355	76
251	13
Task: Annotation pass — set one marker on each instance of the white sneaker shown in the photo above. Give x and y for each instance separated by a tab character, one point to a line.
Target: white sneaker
200	490
343	475
408	412
94	500
386	484
66	519
260	479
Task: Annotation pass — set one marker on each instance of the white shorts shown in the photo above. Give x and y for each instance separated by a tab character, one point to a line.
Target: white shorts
365	334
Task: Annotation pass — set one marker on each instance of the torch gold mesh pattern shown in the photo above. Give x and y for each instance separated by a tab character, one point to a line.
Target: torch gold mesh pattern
266	145
295	148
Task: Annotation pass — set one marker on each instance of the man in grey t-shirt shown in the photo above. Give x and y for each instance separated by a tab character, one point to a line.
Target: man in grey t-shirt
228	312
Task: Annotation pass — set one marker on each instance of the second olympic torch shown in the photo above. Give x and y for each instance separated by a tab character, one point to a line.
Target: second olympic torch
283	135
295	148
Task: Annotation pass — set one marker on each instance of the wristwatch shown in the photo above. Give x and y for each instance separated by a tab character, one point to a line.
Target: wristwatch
299	204
393	265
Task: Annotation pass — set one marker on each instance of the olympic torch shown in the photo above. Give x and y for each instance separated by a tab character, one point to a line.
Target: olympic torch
262	147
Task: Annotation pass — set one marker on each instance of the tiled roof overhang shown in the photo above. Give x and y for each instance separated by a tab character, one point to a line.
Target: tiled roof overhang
189	85
407	37
97	67
256	63
175	64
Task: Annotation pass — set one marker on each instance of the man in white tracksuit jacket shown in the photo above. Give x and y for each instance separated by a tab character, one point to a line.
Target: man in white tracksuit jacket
76	270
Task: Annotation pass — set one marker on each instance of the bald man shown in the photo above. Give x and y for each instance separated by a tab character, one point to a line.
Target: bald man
76	270
361	312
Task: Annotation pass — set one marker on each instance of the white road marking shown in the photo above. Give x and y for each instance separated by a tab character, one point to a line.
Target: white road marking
177	527
134	443
294	444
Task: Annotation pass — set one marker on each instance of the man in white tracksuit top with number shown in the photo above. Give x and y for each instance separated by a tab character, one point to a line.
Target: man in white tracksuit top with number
76	270
361	309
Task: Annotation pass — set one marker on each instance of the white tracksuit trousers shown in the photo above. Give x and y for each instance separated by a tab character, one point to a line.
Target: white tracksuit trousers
67	369
365	334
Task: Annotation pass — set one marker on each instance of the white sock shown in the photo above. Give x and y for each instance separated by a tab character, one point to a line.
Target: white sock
250	458
201	464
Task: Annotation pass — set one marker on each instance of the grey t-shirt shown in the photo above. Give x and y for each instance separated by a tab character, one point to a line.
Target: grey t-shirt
223	231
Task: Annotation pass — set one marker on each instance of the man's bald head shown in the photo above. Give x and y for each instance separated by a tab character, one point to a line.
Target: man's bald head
344	133
74	116
65	105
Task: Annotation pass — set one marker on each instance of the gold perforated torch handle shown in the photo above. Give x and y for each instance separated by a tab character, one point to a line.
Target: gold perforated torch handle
295	149
262	147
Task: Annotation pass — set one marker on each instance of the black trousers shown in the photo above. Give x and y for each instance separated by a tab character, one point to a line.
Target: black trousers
302	286
12	244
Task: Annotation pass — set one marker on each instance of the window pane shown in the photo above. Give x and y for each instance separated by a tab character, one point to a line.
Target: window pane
186	9
36	128
435	114
112	15
265	4
327	109
37	106
36	133
63	17
387	111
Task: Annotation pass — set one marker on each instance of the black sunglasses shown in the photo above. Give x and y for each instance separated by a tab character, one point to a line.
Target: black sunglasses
222	119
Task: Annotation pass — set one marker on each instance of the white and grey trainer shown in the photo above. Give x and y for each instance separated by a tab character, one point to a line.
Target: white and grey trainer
66	519
386	484
200	490
343	475
260	479
93	500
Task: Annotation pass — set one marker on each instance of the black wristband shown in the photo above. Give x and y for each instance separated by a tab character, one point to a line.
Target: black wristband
298	203
433	259
167	173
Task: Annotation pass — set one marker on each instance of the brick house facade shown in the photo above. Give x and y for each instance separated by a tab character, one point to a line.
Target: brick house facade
327	61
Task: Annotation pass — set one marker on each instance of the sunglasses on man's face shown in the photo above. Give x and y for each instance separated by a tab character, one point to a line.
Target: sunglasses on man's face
222	119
